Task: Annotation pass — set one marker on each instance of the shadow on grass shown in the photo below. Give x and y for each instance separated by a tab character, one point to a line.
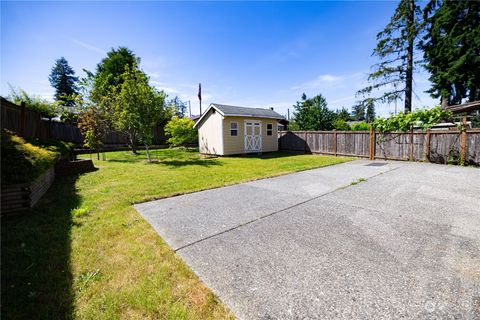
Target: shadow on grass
190	162
274	155
36	277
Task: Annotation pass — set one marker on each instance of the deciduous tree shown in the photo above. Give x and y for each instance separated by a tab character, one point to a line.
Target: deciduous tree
137	107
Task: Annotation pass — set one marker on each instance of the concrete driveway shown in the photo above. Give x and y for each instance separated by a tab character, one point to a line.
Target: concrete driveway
402	243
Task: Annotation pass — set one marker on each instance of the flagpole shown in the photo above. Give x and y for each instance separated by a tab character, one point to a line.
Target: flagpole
200	96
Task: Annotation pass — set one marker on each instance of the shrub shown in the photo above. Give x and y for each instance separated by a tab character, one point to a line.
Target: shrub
181	131
341	124
33	102
360	126
22	161
62	147
422	118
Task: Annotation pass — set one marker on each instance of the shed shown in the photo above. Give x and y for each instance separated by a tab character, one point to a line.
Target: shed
227	130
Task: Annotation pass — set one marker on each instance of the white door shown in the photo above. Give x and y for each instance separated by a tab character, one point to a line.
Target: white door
253	136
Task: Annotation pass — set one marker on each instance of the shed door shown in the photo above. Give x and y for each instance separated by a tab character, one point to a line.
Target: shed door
253	136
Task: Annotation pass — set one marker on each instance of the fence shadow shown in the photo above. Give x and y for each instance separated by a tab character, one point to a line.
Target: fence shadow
36	245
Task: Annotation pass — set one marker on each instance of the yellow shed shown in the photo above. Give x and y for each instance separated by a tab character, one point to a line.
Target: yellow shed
227	130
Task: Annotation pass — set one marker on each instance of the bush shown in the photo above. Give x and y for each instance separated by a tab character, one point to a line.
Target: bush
341	124
32	102
62	147
422	118
22	161
360	126
181	131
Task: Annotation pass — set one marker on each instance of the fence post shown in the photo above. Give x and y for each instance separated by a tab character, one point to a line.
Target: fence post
335	142
306	143
410	157
427	146
279	137
22	119
463	142
371	146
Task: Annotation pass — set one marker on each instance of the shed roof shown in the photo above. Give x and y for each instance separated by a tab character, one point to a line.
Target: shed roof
229	111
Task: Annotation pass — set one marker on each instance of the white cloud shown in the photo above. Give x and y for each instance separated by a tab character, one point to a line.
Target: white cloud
87	46
325	81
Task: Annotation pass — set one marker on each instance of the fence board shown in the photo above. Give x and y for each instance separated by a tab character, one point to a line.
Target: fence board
33	126
441	146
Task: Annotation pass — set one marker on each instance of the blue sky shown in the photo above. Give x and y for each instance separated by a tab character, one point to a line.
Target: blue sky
244	53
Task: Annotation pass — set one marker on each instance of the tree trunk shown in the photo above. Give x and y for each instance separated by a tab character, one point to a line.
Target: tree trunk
133	142
409	76
148	152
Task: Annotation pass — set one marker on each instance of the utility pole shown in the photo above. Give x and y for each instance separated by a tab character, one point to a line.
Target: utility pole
288	114
189	108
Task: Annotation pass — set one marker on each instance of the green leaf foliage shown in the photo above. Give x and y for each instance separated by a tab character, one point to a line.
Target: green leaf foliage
63	80
22	161
33	102
343	114
138	107
403	122
452	49
109	74
181	131
393	74
313	114
340	124
360	126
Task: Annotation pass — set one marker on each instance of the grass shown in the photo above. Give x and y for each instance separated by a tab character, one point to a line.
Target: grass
85	253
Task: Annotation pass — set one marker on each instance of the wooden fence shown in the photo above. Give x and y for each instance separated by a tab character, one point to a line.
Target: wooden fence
30	124
439	146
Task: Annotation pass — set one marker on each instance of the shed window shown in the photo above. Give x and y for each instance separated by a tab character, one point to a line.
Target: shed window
269	129
233	129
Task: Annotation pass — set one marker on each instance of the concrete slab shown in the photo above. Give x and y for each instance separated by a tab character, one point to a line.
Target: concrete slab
189	218
403	244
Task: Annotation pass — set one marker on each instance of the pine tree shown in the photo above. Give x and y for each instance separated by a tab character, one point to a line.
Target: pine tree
452	49
358	112
370	107
63	80
395	49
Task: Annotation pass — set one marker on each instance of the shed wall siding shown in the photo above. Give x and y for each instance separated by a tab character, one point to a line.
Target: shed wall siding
235	144
210	134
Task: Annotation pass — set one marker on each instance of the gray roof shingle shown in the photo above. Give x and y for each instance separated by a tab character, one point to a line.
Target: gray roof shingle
248	112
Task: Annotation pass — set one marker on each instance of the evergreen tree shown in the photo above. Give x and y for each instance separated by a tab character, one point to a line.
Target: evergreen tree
179	107
452	49
395	49
343	114
313	114
370	113
62	78
358	112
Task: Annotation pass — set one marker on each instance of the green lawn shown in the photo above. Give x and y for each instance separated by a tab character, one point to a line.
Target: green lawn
85	253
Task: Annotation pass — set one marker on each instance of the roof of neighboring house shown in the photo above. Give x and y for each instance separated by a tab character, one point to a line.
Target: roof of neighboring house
230	111
466	107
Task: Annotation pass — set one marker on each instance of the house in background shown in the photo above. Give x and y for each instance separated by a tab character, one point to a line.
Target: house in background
227	130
